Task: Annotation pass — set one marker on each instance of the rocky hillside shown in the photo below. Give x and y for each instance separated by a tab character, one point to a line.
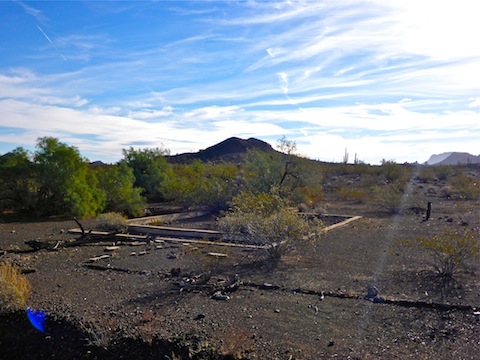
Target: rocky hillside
229	150
453	158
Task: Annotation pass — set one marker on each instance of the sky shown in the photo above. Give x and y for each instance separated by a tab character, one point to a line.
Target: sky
381	79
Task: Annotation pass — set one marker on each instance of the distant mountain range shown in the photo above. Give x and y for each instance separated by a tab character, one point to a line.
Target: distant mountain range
453	158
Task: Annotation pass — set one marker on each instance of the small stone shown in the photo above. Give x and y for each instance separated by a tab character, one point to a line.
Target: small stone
133	253
277	310
199	317
331	343
372	292
171	256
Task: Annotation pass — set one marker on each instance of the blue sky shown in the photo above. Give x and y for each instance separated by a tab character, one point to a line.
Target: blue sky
384	79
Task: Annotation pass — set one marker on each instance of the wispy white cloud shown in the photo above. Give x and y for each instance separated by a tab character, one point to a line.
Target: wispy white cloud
384	79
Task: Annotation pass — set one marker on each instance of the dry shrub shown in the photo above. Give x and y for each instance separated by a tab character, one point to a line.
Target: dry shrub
358	196
15	289
389	197
112	221
465	187
266	219
449	251
238	343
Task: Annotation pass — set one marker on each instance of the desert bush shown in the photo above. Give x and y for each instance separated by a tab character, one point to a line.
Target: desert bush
267	219
389	197
450	250
357	196
15	289
391	171
112	221
426	174
465	187
442	172
309	195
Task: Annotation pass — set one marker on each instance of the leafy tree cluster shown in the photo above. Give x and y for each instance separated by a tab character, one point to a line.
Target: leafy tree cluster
57	180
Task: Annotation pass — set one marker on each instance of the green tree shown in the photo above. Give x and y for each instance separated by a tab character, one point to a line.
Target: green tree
117	181
149	168
18	186
199	183
66	186
262	171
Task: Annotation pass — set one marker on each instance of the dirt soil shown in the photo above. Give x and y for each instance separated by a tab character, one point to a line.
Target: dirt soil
309	305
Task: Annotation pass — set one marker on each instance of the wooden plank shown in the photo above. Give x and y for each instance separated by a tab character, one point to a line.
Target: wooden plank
170	231
342	223
217	243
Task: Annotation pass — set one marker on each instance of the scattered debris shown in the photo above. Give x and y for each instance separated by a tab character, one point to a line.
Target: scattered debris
112	248
215	254
138	243
220	296
268	286
97	258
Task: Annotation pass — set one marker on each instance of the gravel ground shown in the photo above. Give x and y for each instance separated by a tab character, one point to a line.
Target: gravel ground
160	305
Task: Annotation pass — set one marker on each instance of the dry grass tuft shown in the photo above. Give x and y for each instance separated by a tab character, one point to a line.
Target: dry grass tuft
15	289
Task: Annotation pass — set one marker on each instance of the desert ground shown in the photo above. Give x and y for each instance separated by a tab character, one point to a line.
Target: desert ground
172	300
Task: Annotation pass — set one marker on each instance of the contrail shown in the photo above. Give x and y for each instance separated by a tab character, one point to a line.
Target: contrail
46	36
50	41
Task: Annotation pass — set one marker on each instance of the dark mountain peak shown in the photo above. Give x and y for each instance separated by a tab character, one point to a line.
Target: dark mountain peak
230	150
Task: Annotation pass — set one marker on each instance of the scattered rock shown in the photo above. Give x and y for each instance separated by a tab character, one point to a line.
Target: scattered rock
276	311
133	253
199	317
175	272
27	271
171	256
331	343
372	292
142	253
